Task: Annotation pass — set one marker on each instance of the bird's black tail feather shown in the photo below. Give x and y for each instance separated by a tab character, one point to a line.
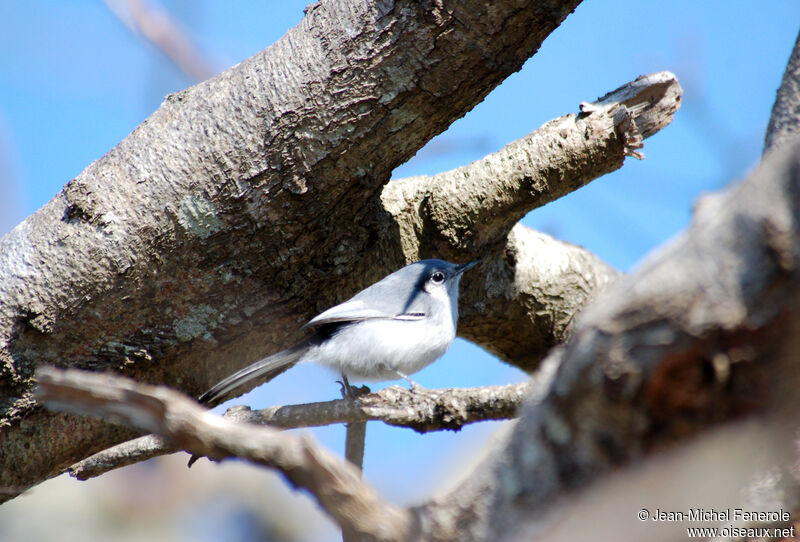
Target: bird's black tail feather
263	370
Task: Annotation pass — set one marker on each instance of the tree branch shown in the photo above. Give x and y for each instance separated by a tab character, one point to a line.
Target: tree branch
782	132
474	207
783	121
531	287
423	410
514	300
208	235
158	28
706	330
355	442
335	484
521	301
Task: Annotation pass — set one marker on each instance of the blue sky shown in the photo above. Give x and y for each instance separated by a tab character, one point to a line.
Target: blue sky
74	81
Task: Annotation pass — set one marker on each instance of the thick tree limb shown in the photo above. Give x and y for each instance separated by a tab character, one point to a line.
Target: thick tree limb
335	484
706	330
210	233
507	304
213	231
782	132
707	473
544	268
476	206
423	410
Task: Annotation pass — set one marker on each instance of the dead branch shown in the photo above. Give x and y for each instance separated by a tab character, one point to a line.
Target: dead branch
423	410
336	485
209	234
475	209
160	30
707	330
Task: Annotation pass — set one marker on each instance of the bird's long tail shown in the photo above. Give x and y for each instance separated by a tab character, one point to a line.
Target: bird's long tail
263	371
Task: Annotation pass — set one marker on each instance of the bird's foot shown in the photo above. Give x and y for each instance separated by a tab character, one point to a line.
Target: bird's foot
351	392
412	383
344	387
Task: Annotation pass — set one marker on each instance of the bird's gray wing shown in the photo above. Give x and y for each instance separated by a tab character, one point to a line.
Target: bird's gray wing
356	310
397	296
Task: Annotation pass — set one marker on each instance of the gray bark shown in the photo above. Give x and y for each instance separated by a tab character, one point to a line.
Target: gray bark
783	125
539	282
253	200
521	301
421	410
336	484
706	331
210	233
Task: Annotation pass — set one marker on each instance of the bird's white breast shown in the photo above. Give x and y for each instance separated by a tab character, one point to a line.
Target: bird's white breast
371	349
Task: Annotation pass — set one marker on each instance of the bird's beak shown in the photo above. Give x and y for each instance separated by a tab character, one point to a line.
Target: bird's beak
466	266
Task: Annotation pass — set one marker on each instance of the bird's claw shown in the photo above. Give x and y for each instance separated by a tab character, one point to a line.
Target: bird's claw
414	386
347	391
412	383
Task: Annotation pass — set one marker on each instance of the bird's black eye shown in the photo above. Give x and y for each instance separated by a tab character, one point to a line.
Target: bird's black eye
437	277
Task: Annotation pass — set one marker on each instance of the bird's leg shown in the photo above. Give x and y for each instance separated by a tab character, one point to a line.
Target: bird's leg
346	389
351	392
388	368
414	385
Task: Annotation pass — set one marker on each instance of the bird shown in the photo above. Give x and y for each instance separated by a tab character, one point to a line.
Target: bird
390	330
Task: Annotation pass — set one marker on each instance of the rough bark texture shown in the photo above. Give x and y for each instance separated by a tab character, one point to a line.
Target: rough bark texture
336	484
531	309
521	301
239	208
707	330
531	290
782	131
783	122
251	201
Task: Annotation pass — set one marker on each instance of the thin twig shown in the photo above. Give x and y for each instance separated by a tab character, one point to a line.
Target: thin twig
355	442
423	410
354	445
159	29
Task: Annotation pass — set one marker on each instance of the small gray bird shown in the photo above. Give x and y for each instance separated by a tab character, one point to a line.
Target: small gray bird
389	330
